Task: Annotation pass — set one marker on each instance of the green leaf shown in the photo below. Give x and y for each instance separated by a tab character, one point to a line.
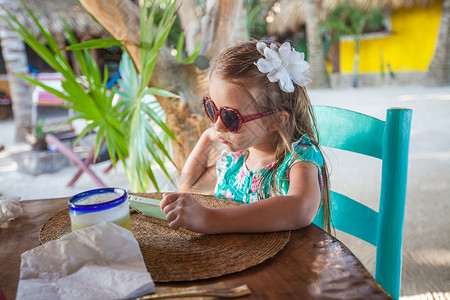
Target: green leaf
180	43
158	143
49	39
179	49
147	71
78	54
33	42
146	36
89	128
129	78
99	141
155	118
49	89
194	54
95	44
159	92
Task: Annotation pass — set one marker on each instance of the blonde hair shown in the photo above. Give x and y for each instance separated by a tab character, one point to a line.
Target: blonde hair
236	66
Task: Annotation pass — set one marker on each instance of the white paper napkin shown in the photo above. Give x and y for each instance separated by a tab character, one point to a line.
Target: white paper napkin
9	209
99	262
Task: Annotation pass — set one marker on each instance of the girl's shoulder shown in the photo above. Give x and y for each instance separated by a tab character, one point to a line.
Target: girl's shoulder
305	150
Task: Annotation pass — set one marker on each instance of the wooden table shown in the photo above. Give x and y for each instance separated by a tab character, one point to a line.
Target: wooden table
313	265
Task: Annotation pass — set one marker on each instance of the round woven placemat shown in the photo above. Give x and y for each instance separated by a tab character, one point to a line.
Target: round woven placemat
182	255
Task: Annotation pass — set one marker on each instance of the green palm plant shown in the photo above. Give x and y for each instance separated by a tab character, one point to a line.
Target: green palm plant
346	19
256	23
133	127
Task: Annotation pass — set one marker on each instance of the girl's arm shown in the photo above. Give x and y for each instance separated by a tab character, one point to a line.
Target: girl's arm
294	211
196	176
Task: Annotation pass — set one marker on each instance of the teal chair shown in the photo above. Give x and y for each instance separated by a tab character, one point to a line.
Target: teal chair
386	140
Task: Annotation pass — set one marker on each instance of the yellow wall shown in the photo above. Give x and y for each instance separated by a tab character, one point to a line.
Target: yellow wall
409	48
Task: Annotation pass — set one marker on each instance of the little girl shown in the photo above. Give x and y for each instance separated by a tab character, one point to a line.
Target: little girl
272	162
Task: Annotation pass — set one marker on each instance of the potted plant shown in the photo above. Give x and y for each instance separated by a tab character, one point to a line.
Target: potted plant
36	137
128	128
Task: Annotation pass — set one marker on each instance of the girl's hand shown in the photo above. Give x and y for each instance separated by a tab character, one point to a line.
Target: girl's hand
210	134
183	211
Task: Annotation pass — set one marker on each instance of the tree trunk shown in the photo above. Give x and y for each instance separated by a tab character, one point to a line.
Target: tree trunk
14	55
121	19
439	71
222	24
316	52
189	20
334	55
356	65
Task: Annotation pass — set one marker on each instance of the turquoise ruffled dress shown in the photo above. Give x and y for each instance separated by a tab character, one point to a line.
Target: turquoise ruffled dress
236	182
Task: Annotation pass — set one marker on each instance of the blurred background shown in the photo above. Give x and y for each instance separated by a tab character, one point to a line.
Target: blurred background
75	111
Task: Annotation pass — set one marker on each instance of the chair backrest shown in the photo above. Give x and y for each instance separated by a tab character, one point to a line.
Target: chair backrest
386	140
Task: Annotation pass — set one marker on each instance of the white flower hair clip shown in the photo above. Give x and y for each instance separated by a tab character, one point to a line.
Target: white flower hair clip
285	65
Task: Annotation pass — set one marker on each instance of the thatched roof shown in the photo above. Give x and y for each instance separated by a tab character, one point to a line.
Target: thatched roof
49	13
292	12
